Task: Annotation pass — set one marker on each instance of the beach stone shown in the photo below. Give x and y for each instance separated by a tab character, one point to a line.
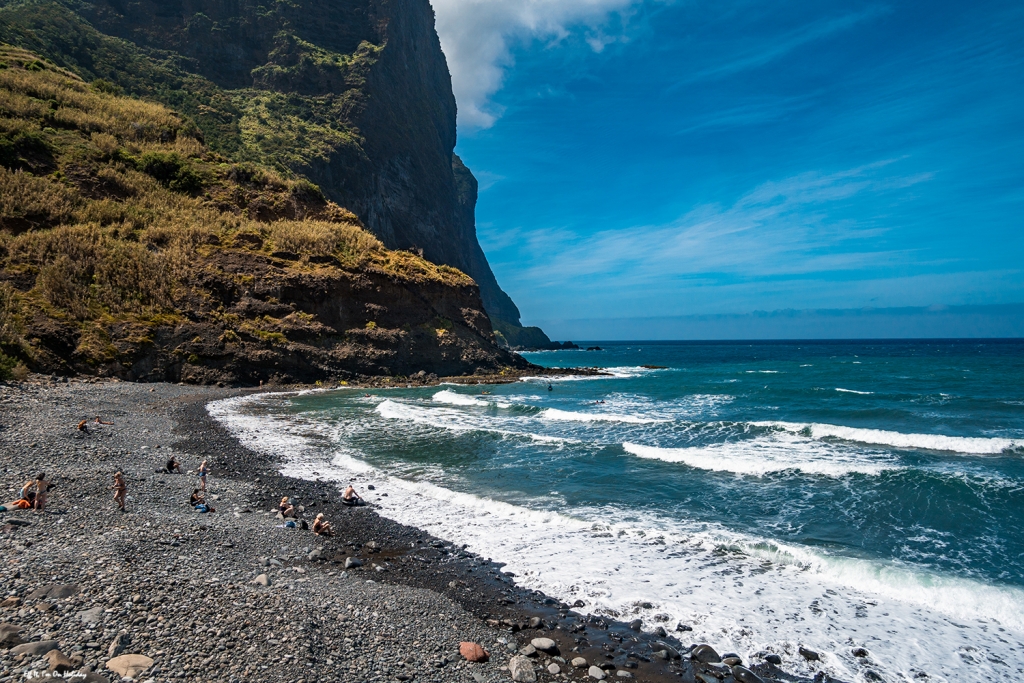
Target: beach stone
597	673
353	562
315	555
262	580
773	659
579	662
528	651
681	627
57	662
636	624
622	673
669	650
554	669
472	652
9	635
535	622
13	601
130	665
53	591
731	661
117	645
860	652
705	654
661	632
40	647
809	655
91	616
545	645
521	669
872	676
745	675
706	678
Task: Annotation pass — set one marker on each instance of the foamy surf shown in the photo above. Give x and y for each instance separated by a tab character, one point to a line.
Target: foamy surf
452	398
554	414
768	455
879	437
738	592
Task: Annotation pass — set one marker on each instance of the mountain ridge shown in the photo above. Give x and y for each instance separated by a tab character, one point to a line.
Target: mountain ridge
354	95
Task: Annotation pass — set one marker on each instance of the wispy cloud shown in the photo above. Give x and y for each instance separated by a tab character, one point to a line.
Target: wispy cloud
780	228
477	37
760	54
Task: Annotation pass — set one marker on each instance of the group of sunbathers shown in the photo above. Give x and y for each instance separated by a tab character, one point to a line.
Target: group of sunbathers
321	527
33	495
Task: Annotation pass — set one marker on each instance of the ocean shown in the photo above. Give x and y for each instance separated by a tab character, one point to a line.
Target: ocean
770	495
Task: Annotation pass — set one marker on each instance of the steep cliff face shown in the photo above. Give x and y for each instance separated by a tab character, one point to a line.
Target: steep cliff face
130	249
353	94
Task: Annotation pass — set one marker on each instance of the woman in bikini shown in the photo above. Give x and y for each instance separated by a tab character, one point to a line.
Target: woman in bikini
204	470
321	527
120	491
42	486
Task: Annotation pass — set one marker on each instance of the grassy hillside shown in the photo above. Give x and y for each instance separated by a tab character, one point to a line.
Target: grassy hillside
276	125
117	221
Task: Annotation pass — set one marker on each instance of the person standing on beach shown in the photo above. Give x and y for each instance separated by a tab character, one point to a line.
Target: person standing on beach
120	491
204	470
42	486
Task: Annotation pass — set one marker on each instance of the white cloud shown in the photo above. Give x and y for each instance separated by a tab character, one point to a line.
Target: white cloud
477	36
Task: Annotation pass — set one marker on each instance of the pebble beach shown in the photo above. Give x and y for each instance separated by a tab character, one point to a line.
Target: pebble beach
160	592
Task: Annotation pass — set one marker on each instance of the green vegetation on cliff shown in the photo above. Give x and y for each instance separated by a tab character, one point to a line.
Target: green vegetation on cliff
119	228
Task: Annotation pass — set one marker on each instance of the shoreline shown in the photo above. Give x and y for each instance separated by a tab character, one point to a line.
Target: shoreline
154	421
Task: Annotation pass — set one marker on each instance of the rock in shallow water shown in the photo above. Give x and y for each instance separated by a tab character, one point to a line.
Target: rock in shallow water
744	675
809	655
705	654
773	659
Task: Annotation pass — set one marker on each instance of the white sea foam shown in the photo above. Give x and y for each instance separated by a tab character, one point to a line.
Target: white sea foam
768	454
931	442
737	592
554	414
452	398
455	420
854	391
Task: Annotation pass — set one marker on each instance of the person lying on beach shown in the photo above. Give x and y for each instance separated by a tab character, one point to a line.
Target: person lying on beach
204	469
321	527
83	426
101	422
286	508
173	466
42	487
199	503
120	491
28	491
350	497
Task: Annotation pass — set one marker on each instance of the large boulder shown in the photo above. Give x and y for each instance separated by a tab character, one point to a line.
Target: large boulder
130	665
58	663
522	670
472	652
40	647
9	635
53	591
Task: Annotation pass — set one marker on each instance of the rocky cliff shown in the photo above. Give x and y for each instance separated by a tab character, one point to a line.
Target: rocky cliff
128	248
353	94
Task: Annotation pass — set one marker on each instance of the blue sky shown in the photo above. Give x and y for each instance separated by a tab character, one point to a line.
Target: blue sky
697	158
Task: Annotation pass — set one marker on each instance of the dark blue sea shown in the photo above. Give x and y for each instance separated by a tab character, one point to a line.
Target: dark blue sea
771	495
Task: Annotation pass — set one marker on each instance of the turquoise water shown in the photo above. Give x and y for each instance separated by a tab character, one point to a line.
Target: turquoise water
838	493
